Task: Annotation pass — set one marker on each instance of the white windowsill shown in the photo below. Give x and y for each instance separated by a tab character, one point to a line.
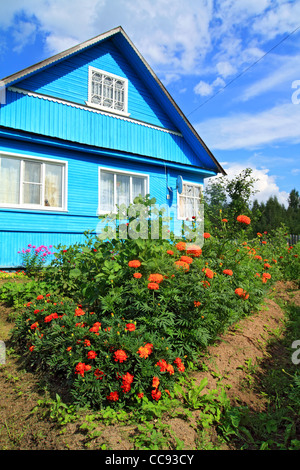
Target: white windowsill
107	110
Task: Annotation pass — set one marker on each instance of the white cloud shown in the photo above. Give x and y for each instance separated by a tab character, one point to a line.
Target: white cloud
245	130
279	20
203	88
225	68
265	185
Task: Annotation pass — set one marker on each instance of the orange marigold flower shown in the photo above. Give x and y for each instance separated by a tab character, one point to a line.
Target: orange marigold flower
31	348
34	325
229	272
241	293
181	246
267	265
162	364
50	317
186	259
194	250
206	235
137	275
81	368
243	219
39	297
140	395
113	396
156	394
208	273
145	351
267	275
224	220
197	303
153	286
95	328
128	378
120	355
127	381
170	252
134	263
130	327
155	382
87	342
182	264
258	257
79	312
92	355
155	278
170	369
179	364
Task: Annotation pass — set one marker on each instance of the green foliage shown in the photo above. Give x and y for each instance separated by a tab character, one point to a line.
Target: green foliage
95	320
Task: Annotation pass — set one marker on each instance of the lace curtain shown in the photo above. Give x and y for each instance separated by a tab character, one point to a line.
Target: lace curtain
38	179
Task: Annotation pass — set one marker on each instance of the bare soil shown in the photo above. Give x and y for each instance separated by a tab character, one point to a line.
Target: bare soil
238	359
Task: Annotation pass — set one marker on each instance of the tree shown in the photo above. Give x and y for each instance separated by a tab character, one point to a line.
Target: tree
231	196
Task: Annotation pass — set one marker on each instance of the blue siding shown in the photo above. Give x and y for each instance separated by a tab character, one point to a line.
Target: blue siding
92	128
68	80
18	228
54	122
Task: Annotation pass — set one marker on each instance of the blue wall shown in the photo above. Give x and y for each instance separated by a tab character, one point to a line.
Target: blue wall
18	227
68	80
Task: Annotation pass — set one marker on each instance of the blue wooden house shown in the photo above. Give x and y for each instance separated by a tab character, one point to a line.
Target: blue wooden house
85	130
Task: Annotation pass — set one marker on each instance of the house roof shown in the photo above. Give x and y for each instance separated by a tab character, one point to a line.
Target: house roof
121	39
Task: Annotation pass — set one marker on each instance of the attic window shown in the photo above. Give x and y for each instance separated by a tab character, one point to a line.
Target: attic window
107	91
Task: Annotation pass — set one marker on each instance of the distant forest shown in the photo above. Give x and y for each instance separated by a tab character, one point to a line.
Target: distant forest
233	197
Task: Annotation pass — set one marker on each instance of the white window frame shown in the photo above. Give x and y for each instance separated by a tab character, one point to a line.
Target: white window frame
199	185
104	108
43	162
115	173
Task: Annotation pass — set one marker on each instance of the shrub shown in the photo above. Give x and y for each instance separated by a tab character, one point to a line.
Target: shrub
124	316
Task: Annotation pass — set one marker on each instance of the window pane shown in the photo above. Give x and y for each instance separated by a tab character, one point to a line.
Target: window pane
138	187
32	172
32	193
181	212
9	180
189	210
53	185
123	195
106	191
197	191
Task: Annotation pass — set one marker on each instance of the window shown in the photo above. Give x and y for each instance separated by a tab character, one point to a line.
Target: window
32	183
189	201
107	91
118	188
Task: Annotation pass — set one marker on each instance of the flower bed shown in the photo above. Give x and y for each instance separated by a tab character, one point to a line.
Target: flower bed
120	320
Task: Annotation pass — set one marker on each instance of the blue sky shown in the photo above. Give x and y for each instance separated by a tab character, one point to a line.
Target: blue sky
232	66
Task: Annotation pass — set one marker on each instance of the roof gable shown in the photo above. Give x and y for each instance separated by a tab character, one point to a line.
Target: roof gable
65	76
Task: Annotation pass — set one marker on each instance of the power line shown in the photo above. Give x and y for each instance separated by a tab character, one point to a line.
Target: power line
244	71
